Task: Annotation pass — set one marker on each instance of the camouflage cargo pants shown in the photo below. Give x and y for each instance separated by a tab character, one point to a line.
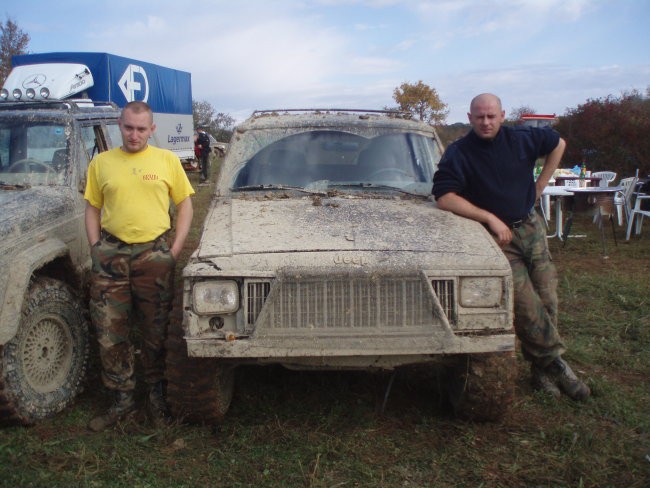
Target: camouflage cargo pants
535	292
130	278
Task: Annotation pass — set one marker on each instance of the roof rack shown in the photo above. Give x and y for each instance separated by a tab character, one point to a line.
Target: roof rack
351	110
73	104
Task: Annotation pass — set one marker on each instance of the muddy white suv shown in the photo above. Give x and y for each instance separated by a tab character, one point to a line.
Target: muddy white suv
45	148
323	249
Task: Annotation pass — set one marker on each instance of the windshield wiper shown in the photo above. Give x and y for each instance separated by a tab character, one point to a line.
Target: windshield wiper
375	185
8	186
277	187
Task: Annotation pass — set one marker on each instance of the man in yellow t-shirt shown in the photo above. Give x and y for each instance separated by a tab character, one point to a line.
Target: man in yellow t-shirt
127	219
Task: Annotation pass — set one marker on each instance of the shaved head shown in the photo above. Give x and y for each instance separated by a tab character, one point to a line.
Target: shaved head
486	115
485	98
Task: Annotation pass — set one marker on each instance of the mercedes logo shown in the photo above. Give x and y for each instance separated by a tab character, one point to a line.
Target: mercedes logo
34	81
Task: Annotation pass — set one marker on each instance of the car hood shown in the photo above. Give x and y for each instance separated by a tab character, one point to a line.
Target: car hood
312	224
29	210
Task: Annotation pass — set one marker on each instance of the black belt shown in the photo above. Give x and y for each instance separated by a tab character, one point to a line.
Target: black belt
108	237
518	223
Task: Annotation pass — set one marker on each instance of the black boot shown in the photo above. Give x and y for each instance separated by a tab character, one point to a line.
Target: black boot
542	381
123	405
567	380
157	405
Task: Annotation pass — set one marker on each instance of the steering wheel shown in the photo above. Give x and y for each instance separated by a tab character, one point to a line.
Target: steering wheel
28	163
395	171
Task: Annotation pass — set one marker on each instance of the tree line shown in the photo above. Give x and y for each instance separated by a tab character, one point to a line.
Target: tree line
609	133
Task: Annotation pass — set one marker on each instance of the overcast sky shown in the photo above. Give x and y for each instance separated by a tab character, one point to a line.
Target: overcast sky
244	55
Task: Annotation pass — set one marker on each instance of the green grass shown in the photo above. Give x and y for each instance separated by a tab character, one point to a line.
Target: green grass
326	429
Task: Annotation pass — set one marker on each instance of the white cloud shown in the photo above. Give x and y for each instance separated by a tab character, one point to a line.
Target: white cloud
547	88
404	45
292	53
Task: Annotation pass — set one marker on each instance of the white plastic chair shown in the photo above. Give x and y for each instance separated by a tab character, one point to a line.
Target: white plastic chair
623	199
636	215
606	177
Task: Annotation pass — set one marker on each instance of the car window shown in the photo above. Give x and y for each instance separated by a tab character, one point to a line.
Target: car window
88	138
395	159
114	135
33	152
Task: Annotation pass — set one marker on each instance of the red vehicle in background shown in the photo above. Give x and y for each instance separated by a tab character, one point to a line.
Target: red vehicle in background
538	120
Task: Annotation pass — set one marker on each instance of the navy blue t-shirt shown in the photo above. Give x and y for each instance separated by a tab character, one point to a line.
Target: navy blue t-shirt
495	175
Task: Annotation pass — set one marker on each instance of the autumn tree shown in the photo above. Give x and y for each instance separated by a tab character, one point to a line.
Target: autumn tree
219	124
609	133
421	101
517	113
202	113
223	125
12	41
453	132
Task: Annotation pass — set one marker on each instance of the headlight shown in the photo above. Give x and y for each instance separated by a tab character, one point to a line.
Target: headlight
215	297
481	292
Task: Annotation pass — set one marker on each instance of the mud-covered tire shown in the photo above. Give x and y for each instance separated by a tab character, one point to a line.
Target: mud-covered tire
481	387
43	367
199	391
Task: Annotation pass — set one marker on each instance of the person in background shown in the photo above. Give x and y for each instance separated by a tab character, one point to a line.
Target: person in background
128	223
487	176
197	150
204	142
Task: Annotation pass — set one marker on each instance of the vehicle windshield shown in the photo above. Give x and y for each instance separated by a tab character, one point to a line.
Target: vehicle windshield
322	159
32	153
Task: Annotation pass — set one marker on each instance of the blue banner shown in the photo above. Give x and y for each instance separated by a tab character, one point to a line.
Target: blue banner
121	80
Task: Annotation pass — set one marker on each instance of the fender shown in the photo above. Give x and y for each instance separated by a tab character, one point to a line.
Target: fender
20	273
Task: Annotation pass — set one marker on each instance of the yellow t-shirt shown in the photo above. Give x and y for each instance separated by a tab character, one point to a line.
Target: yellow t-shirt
133	191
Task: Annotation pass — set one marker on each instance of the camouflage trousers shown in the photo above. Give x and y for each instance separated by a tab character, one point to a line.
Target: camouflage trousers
535	292
205	164
129	282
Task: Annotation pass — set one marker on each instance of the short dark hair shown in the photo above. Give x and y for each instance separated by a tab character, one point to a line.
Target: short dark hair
138	107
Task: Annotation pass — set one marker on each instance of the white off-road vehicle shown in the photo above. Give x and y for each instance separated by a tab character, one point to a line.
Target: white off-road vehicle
323	249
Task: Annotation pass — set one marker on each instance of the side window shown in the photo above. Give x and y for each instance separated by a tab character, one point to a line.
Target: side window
5	140
93	141
89	140
114	135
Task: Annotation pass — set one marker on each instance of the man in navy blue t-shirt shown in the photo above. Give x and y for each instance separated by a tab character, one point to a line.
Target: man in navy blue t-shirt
487	176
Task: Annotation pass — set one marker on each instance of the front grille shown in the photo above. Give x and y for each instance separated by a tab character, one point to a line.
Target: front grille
256	293
340	302
444	290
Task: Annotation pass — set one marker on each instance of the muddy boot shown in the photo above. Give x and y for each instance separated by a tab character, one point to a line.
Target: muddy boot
543	382
157	405
569	383
124	404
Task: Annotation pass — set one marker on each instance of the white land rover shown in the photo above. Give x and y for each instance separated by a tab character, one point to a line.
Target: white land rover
323	249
